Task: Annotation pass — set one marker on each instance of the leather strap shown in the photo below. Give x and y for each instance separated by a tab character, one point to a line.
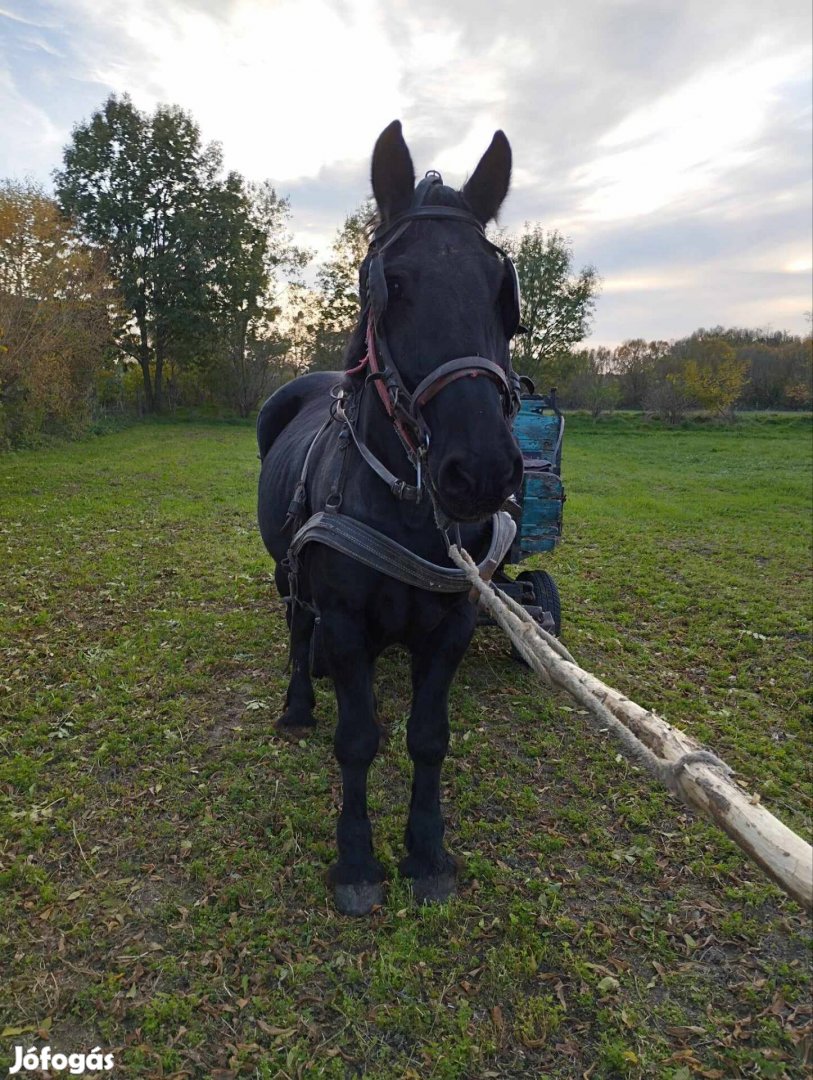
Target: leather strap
366	545
457	369
399	488
423	212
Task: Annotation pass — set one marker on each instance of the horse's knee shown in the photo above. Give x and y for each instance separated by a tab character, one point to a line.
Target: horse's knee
428	745
356	744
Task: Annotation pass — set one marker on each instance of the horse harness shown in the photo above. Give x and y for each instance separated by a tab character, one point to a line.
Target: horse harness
404	409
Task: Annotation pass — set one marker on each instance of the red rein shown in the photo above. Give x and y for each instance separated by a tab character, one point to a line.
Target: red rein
370	359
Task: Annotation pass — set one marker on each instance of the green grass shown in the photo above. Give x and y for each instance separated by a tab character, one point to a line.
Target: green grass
162	850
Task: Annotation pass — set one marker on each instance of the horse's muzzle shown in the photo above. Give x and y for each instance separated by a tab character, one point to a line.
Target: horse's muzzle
467	492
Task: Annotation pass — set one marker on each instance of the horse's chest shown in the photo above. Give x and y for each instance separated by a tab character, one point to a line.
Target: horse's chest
401	615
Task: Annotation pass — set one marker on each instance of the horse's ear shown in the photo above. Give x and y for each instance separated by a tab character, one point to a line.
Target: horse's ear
393	174
486	188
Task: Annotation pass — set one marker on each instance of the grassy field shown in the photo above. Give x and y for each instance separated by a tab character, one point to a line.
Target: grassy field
162	850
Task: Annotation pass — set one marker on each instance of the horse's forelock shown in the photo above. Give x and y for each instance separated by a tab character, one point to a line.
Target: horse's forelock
437	195
443	195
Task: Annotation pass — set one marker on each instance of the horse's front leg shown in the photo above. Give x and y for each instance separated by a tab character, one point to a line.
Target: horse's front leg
357	875
430	866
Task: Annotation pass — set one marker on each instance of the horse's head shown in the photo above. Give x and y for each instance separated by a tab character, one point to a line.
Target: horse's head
439	292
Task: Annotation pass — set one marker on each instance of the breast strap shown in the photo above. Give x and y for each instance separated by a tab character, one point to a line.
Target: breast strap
366	545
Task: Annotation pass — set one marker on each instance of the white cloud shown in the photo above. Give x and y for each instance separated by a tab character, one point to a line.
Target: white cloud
802	264
37	141
645	281
690	140
285	87
670	142
14	16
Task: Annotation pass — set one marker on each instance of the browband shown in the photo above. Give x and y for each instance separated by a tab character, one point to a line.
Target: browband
453	212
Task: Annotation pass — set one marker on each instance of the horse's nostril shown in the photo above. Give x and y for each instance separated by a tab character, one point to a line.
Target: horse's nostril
455	477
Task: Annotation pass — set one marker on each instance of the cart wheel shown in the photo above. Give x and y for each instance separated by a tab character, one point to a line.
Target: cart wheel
546	595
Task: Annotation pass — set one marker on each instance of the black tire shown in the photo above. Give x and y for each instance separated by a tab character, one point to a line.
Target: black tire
546	595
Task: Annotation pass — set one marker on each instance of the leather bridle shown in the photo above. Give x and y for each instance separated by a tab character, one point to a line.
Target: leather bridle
404	408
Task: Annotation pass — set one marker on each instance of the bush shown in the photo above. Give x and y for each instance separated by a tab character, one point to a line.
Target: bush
55	303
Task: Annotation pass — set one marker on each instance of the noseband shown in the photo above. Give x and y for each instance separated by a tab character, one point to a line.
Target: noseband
402	407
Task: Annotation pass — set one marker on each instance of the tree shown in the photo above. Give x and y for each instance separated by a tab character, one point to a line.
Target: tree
56	311
337	282
779	373
668	396
557	302
251	244
714	376
137	185
636	361
594	386
298	325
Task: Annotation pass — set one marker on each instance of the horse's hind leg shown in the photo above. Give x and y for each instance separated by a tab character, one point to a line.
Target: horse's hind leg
299	701
430	866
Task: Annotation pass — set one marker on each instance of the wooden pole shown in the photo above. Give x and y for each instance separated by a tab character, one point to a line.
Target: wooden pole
696	775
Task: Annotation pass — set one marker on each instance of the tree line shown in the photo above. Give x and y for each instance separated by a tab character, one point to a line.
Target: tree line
153	278
717	371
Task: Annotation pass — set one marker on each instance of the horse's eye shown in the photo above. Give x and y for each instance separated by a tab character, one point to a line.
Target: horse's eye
394	289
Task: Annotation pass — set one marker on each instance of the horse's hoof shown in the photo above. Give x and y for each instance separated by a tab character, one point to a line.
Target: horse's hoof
358	899
295	723
435	888
295	735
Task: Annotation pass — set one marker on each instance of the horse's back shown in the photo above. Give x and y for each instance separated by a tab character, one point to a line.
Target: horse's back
286	426
286	403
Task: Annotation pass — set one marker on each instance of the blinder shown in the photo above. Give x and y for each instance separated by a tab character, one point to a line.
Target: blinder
377	287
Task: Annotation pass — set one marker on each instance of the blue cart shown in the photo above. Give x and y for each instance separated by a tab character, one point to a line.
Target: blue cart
537	508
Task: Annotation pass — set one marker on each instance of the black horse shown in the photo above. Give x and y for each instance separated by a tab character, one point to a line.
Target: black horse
414	437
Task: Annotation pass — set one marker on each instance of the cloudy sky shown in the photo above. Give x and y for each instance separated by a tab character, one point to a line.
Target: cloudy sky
669	139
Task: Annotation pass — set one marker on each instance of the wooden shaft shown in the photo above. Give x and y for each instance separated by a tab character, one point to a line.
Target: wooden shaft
784	856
